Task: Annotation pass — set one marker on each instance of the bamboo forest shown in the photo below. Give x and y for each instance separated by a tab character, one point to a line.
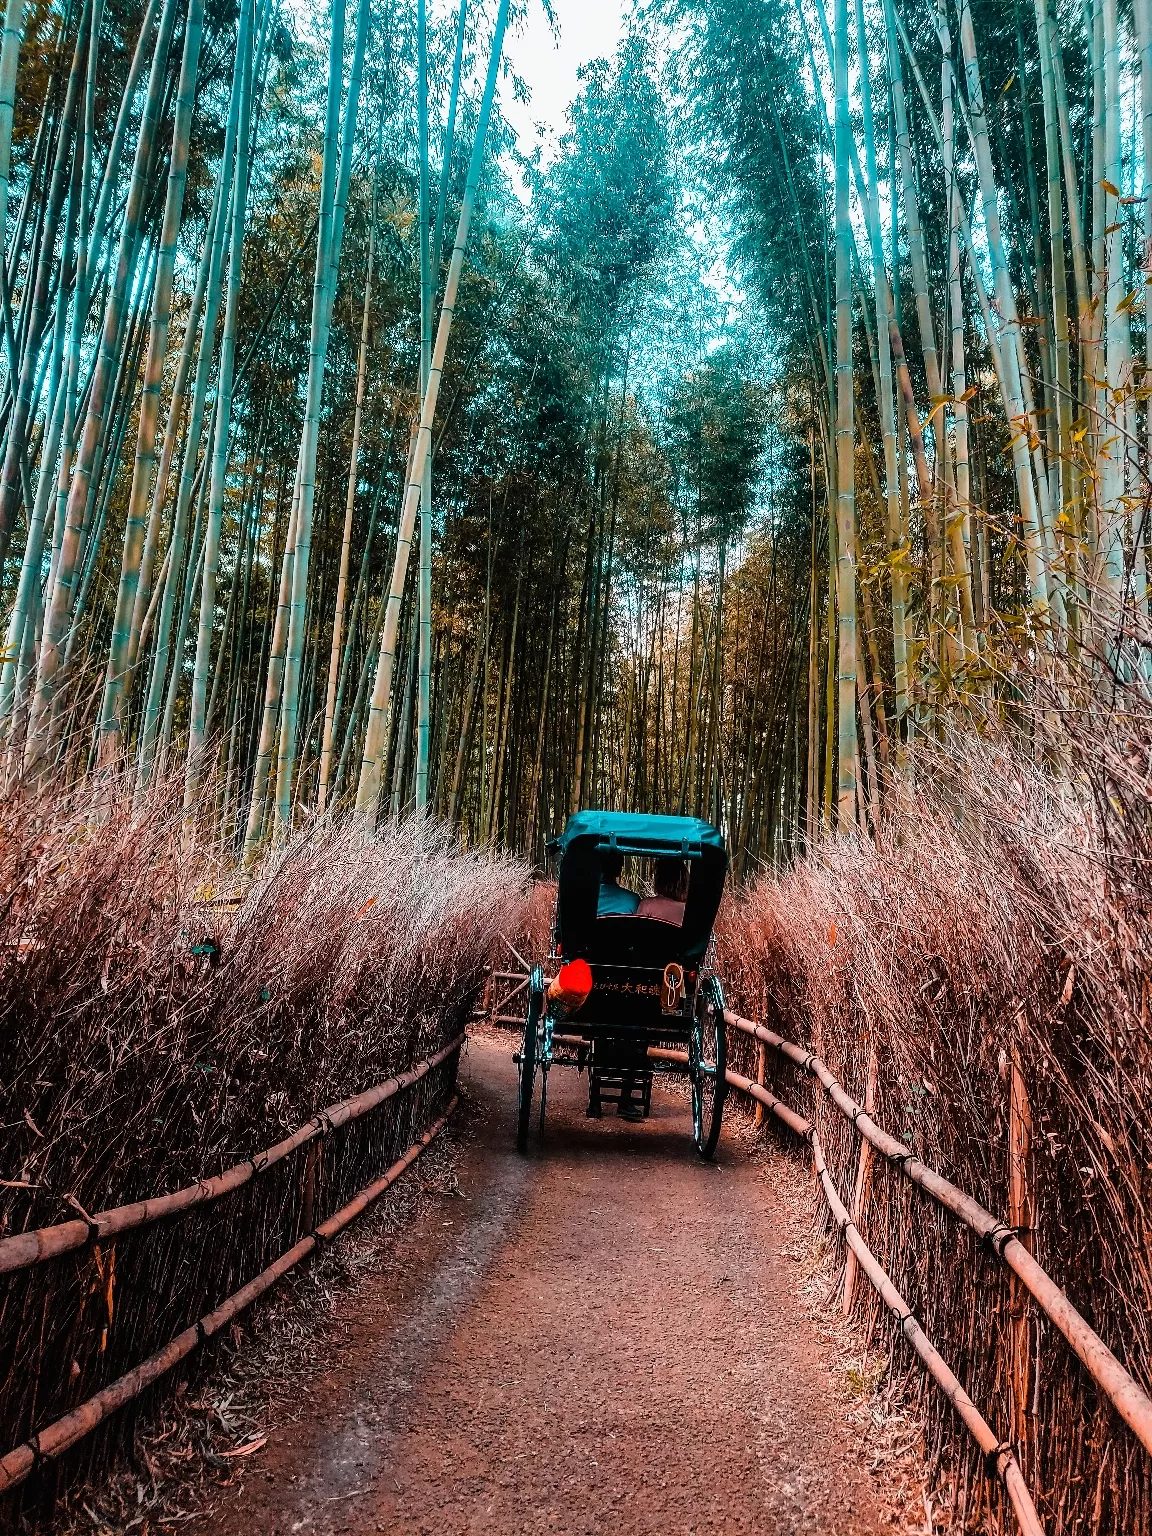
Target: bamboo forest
406	456
354	456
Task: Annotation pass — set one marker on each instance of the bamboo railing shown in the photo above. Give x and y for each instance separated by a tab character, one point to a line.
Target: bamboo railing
999	1459
1126	1395
998	1455
27	1250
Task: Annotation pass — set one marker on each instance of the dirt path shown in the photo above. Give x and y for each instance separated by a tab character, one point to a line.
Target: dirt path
603	1337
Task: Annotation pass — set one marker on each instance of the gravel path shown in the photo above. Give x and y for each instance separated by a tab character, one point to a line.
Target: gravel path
603	1337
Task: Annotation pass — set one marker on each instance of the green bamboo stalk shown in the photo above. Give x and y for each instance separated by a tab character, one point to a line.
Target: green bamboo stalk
1008	339
105	370
14	476
81	288
351	730
104	484
957	513
845	444
111	725
28	589
1071	181
830	657
917	258
368	787
188	589
9	65
424	582
1114	508
358	602
27	607
449	144
334	660
334	184
1062	489
273	687
242	106
144	594
1143	20
400	751
1093	365
812	778
886	402
215	248
111	173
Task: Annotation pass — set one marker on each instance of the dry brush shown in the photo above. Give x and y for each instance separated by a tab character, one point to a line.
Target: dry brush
161	1022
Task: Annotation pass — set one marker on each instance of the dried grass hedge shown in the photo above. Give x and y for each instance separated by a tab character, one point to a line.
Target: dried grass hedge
161	1023
999	925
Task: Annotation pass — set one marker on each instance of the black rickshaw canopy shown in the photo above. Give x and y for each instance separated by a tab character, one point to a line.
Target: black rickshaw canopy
591	834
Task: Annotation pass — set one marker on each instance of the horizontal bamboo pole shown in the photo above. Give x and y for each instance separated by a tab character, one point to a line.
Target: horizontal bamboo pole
1126	1395
999	1460
998	1455
65	1432
36	1247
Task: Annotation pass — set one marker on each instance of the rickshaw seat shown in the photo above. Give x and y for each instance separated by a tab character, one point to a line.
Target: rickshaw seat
647	942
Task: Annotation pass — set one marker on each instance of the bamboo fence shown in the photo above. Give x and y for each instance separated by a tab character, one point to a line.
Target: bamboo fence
998	1238
84	1300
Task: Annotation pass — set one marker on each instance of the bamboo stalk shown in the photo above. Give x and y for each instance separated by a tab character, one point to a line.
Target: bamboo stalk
91	437
335	657
334	181
368	788
845	450
9	64
242	109
111	724
424	573
212	267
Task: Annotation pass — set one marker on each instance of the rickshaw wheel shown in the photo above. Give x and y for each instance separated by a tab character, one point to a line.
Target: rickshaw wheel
528	1059
708	1062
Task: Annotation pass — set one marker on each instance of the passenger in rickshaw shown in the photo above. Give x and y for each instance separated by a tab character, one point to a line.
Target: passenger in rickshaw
670	882
614	899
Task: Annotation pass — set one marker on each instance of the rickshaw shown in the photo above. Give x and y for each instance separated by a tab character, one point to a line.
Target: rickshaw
654	997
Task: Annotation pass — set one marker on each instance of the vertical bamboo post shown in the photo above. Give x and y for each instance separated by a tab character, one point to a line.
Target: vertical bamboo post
1020	1218
863	1176
308	1193
761	1065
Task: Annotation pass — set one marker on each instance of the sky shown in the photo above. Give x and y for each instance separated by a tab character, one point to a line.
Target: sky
548	63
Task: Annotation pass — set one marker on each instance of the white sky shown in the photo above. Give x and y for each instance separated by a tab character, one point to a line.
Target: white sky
588	29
